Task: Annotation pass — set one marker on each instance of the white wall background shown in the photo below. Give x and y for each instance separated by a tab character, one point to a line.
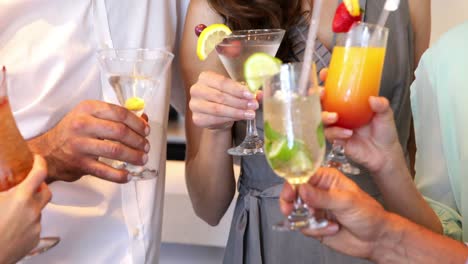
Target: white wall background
447	14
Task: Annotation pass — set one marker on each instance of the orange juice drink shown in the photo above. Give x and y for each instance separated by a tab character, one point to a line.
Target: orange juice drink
353	77
16	159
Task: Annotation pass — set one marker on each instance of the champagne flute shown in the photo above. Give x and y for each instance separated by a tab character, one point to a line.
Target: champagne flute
294	137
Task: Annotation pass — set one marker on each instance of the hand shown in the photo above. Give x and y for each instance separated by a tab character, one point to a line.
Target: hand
372	144
91	130
217	102
20	225
359	218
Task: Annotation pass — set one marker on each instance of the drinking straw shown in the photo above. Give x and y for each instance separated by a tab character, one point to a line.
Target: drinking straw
390	6
310	46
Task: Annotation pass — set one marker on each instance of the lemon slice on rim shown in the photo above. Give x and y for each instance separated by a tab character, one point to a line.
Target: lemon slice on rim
209	38
258	66
135	104
353	7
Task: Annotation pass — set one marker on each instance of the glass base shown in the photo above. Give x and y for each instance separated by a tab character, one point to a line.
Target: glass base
45	243
337	159
137	173
250	146
295	225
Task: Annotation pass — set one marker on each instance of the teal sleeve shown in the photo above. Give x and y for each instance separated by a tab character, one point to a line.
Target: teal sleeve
450	219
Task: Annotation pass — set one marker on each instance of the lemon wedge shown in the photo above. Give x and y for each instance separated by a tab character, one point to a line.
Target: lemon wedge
135	104
209	38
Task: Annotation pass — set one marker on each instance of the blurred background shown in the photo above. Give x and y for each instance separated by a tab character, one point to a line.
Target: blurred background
187	239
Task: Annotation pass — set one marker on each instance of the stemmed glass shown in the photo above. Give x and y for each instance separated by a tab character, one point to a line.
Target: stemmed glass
354	75
16	159
233	51
134	74
294	137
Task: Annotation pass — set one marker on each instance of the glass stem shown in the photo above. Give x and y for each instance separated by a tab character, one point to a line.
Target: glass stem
301	211
338	150
252	128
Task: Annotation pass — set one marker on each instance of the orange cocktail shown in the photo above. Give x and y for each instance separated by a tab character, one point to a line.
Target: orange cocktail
16	159
354	76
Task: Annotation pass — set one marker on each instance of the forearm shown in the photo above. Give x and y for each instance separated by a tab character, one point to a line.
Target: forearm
209	175
402	241
401	195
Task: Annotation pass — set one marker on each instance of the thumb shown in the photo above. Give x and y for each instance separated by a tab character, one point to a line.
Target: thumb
381	107
325	189
36	176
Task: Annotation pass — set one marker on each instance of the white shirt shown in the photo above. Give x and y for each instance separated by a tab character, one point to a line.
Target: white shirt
49	49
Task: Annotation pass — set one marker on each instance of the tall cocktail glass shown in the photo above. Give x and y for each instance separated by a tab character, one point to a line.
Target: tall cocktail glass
294	137
233	52
354	75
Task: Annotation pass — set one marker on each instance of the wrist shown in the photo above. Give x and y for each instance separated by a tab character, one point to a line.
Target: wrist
389	244
39	145
393	162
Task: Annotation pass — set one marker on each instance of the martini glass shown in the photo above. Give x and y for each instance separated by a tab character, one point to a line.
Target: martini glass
16	159
233	51
134	74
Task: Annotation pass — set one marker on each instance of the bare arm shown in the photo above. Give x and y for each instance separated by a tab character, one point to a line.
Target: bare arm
209	169
420	12
405	242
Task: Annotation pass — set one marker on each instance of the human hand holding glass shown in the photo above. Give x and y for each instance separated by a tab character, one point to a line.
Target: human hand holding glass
354	75
21	205
294	139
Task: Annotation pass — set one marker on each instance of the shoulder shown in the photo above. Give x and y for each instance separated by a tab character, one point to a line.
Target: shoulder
449	46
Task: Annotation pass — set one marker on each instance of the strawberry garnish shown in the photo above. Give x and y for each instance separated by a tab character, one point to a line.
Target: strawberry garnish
343	20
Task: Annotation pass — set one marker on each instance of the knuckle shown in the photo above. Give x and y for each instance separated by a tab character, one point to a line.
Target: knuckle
78	123
120	130
218	109
120	114
114	150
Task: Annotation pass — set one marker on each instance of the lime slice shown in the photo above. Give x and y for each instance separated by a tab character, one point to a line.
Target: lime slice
281	150
270	133
320	135
135	104
257	67
301	162
353	7
209	38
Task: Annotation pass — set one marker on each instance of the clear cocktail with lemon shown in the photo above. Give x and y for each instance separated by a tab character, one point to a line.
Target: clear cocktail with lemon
234	48
134	75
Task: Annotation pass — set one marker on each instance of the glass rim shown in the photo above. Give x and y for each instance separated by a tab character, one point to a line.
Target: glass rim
112	51
252	32
368	25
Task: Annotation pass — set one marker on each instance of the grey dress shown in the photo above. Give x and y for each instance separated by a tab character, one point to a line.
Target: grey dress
251	239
